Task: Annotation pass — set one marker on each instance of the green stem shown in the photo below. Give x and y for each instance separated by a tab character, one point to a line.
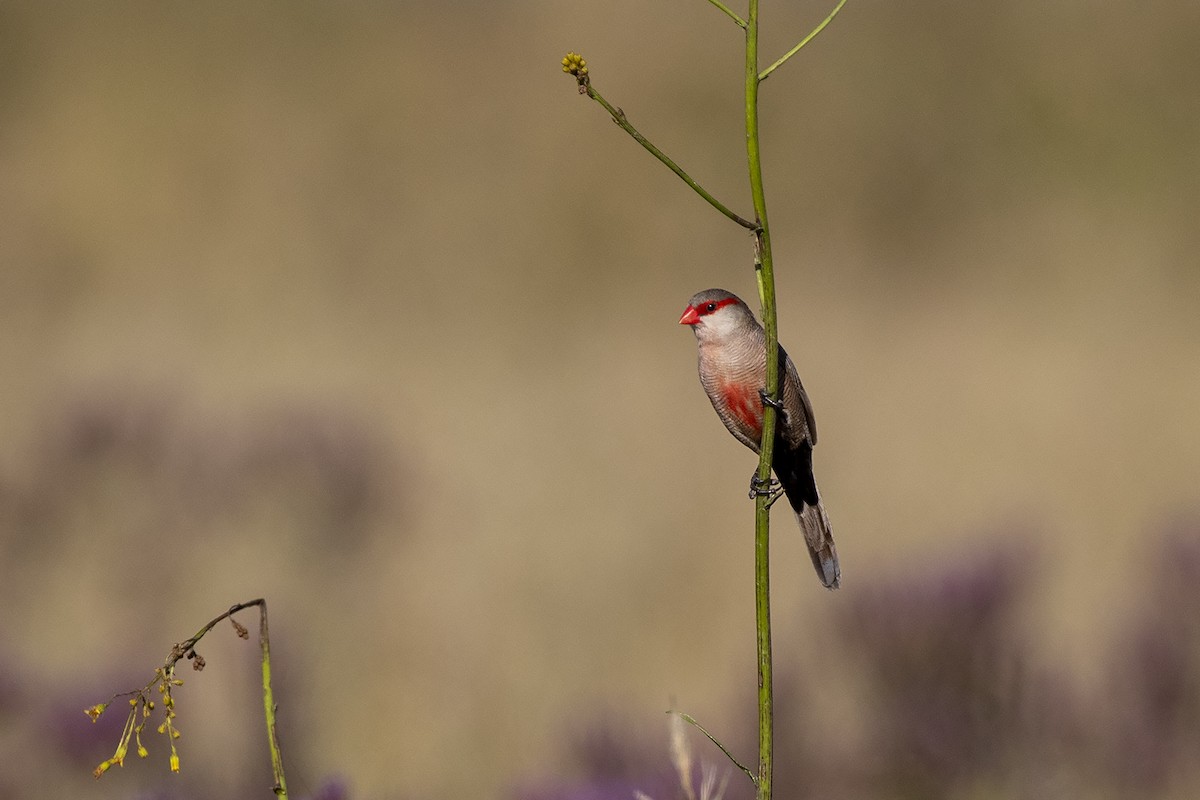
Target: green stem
741	22
264	642
762	511
619	117
688	718
766	72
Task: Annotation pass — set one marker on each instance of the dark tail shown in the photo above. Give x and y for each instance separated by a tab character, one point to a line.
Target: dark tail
794	470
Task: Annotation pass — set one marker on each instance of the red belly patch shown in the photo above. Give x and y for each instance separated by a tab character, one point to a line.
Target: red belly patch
744	404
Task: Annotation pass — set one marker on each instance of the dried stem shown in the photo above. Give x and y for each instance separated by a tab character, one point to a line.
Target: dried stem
164	679
688	718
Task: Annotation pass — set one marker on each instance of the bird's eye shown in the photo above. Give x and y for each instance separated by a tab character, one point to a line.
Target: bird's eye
711	307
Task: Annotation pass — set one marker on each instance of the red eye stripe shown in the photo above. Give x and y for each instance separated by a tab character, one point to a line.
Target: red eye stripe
704	310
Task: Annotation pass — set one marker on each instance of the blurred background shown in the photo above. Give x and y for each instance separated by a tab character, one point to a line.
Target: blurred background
363	309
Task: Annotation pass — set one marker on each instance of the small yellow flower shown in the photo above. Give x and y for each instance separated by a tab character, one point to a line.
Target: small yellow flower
574	64
95	711
142	751
174	762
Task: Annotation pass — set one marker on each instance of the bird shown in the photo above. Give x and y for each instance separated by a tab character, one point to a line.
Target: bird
732	360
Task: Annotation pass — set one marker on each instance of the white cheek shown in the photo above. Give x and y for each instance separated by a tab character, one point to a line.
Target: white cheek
721	325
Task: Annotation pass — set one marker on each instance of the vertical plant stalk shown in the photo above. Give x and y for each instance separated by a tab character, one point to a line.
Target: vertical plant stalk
762	510
264	642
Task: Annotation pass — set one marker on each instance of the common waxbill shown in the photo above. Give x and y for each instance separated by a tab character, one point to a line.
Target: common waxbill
733	362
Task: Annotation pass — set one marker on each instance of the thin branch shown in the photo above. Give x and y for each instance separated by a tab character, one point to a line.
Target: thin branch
585	87
183	648
741	22
688	718
766	72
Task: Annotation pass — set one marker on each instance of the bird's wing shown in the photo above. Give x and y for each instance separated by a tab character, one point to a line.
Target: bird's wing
787	371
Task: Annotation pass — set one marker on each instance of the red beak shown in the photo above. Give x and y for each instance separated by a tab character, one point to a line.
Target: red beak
690	317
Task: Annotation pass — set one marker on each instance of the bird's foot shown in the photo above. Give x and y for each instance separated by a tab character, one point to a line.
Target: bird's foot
761	488
767	401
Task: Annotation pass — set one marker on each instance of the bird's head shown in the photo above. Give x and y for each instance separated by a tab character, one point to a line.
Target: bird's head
715	313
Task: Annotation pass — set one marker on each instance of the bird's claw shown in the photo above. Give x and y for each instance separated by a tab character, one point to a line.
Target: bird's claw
769	489
768	401
761	488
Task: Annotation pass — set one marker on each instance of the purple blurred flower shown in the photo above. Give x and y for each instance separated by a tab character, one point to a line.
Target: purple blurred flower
1155	690
332	788
951	686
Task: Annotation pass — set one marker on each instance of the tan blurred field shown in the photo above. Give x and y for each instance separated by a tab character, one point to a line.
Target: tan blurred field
364	310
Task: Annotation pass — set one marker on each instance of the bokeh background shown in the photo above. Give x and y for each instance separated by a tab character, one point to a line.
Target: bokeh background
361	308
